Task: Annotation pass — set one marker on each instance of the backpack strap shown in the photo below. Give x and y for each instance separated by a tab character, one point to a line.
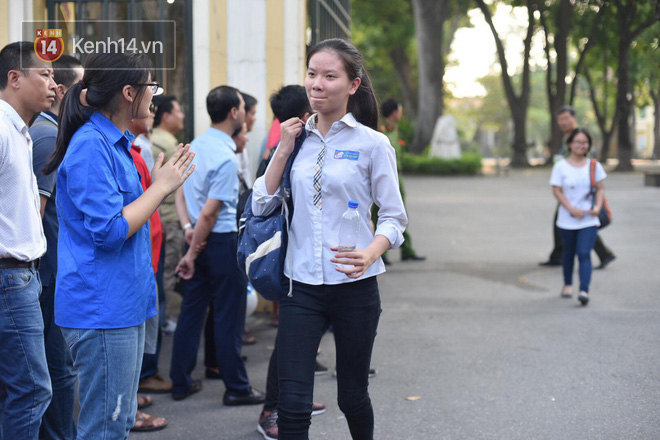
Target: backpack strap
286	178
592	177
592	173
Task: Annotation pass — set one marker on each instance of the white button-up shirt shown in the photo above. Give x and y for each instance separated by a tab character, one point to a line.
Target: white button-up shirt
21	232
360	164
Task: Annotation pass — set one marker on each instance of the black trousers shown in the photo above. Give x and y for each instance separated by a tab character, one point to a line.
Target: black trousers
353	309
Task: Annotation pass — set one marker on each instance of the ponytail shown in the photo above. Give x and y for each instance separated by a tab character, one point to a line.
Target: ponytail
72	116
363	103
105	76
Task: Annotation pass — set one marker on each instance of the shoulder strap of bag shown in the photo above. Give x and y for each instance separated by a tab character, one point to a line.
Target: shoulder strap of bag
286	178
287	203
592	177
592	173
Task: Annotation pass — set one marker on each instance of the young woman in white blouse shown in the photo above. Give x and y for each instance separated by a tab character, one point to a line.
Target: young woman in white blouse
578	212
356	162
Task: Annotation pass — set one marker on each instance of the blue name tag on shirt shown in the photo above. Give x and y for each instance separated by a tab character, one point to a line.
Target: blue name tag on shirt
347	154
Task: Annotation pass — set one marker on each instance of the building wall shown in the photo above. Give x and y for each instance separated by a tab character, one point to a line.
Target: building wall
644	124
256	46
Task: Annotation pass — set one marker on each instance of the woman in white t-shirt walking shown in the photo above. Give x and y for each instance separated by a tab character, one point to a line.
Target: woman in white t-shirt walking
578	211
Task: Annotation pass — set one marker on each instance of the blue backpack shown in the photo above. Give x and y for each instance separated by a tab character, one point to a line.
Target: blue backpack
262	240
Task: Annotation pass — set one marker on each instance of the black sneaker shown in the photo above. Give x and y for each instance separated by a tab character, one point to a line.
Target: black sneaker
550	263
606	261
320	369
254	398
268	426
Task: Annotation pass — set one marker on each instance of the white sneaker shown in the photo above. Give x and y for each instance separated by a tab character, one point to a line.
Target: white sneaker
170	327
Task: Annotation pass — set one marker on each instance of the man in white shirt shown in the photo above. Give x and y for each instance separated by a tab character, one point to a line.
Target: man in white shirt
26	87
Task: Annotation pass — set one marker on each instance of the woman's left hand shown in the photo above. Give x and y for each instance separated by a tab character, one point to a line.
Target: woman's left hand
595	211
360	259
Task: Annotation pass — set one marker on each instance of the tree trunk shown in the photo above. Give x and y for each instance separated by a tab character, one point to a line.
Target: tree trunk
656	124
623	98
403	72
556	89
626	13
430	16
601	117
518	105
519	157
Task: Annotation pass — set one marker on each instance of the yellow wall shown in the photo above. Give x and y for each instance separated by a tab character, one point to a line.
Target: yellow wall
4	23
274	48
40	10
218	42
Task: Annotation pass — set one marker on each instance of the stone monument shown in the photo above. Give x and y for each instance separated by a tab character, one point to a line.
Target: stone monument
444	142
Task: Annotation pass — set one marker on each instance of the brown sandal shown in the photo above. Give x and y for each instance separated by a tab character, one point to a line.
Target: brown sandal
145	422
144	401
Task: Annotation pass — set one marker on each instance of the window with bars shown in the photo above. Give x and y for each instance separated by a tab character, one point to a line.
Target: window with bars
329	19
142	20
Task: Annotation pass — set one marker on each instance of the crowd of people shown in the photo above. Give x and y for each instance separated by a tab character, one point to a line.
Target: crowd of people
102	210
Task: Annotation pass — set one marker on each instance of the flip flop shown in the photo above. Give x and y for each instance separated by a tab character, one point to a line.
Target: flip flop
144	401
145	422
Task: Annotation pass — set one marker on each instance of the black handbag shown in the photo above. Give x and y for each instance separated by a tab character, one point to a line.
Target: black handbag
605	214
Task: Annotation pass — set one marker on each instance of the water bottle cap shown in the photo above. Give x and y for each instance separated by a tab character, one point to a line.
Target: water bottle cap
352	204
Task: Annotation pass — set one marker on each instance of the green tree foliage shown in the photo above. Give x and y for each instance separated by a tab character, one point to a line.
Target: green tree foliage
518	102
384	31
646	76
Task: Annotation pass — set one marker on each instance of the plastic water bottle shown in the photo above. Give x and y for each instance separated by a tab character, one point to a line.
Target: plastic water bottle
349	226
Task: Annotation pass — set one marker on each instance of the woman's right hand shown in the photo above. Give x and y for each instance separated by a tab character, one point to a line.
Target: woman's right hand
171	175
289	131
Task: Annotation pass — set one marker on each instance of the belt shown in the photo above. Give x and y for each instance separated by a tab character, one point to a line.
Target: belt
13	263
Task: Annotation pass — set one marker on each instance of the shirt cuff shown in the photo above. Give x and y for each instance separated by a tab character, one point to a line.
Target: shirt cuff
45	193
392	233
115	236
262	202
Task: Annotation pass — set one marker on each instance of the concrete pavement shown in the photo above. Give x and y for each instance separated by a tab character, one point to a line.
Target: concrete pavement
478	331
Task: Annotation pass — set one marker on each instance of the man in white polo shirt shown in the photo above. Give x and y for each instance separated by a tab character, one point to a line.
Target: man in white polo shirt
26	87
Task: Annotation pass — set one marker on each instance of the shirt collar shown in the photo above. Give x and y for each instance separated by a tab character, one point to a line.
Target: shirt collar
348	119
111	132
14	117
223	137
52	117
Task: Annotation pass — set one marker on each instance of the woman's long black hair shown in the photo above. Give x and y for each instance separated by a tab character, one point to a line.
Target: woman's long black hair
362	103
105	76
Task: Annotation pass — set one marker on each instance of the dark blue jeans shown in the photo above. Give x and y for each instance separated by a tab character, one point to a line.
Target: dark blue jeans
353	309
25	390
217	278
58	422
580	242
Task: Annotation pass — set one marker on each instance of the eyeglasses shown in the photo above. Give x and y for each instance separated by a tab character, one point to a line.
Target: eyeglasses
154	86
580	144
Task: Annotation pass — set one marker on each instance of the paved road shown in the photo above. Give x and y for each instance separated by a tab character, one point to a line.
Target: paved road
478	331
